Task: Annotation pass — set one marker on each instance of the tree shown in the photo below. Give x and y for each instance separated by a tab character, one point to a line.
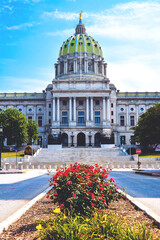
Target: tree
14	126
32	130
147	131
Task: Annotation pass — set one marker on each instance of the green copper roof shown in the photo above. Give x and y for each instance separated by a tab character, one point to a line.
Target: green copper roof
80	43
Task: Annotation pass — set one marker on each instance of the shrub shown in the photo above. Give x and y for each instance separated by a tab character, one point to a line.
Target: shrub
98	226
83	188
28	150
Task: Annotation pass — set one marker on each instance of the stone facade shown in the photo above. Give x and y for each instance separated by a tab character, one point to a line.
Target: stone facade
81	105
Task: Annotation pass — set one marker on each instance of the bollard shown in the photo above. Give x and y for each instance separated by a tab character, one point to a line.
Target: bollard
20	165
6	166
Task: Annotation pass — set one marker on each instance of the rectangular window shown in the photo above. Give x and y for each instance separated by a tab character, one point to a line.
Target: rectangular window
132	121
123	140
64	102
97	113
64	113
111	105
49	105
112	120
112	113
40	121
80	121
96	102
80	102
80	113
121	120
64	120
97	120
29	117
49	113
49	121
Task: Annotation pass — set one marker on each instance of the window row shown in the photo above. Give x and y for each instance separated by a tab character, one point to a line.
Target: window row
29	110
39	120
132	121
132	109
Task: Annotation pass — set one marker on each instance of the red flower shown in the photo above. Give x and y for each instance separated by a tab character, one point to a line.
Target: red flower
93	197
109	191
102	175
74	195
47	196
55	194
112	180
101	188
100	210
62	205
92	204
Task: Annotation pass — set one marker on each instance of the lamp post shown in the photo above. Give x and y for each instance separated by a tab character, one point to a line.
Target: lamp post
32	147
1	135
130	147
90	135
72	136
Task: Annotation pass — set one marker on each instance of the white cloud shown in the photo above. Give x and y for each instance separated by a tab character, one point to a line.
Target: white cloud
22	26
23	84
134	76
66	32
61	15
129	21
8	7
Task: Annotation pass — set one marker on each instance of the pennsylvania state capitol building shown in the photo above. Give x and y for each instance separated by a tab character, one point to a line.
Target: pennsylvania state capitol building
81	107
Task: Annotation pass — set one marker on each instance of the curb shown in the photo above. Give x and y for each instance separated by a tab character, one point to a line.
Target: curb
14	217
142	207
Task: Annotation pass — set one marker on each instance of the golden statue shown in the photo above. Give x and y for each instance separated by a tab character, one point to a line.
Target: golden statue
80	15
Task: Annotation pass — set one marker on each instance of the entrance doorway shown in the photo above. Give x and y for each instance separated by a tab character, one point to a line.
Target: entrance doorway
97	139
64	140
81	140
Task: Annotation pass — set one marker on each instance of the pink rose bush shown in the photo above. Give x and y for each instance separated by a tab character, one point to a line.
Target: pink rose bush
81	188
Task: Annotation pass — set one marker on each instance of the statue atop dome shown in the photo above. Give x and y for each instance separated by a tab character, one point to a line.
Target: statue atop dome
80	17
80	29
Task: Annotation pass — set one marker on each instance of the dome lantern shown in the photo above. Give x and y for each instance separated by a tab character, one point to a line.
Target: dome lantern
80	29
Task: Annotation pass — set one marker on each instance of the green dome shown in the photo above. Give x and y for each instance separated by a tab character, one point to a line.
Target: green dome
80	43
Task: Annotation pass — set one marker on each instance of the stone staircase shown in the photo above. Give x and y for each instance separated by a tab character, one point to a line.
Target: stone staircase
85	155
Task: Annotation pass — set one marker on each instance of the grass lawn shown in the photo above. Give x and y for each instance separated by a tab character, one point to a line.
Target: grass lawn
155	154
12	154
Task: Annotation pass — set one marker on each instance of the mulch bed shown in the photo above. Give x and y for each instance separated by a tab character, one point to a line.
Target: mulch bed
25	227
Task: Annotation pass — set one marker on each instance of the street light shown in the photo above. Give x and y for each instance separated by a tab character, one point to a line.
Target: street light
32	147
1	135
90	135
130	146
72	136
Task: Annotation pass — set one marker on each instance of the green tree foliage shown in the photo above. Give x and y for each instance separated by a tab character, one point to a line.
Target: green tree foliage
147	131
14	126
32	130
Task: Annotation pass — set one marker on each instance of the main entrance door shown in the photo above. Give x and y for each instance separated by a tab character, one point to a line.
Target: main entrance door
81	141
64	140
97	139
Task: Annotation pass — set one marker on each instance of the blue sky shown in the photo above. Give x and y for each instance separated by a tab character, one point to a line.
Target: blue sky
32	31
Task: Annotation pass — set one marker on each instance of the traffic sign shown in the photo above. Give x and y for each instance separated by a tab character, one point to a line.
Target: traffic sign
138	151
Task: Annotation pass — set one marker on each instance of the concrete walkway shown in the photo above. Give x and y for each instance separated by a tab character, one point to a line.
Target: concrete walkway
18	189
144	189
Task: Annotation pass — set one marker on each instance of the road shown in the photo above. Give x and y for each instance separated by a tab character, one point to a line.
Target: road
145	189
18	189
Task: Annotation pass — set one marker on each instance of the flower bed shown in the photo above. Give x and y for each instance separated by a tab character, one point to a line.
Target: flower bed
83	193
83	188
